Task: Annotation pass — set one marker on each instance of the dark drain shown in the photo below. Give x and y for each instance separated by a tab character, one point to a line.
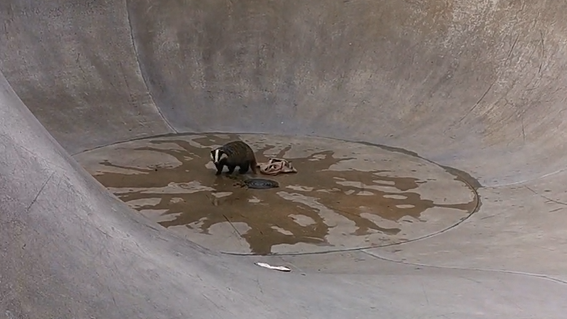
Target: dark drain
261	183
255	183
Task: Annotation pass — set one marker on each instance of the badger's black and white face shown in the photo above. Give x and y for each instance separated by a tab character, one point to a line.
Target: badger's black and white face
217	155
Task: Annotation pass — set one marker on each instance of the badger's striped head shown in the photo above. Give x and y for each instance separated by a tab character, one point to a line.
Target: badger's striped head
217	155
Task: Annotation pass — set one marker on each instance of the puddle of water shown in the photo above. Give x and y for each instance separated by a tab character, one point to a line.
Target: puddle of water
345	195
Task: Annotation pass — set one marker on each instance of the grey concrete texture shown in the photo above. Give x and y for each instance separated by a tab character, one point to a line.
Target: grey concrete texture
344	196
475	85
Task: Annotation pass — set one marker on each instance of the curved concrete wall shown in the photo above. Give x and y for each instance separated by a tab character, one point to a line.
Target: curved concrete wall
477	86
467	85
74	65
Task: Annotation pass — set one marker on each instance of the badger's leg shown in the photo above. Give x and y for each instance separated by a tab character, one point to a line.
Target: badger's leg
253	165
219	168
244	168
231	168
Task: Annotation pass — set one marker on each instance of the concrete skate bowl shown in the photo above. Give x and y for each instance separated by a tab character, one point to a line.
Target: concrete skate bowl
469	97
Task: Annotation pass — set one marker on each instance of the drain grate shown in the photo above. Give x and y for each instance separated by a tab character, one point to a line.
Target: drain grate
261	183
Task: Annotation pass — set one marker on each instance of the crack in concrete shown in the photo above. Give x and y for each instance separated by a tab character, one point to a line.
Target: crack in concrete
508	272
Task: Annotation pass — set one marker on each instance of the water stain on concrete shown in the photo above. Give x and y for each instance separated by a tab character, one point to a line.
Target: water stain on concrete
327	204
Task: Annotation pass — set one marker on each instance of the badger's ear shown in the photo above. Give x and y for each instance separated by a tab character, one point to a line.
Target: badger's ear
223	156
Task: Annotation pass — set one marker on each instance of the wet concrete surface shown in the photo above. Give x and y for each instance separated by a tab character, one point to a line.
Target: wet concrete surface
473	85
344	196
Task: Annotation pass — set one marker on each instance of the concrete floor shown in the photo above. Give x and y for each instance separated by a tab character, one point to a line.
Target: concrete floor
475	87
344	195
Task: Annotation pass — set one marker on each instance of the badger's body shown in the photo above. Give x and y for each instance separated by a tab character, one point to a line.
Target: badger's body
232	154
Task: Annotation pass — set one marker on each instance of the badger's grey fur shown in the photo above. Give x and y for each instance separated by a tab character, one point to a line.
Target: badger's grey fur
232	154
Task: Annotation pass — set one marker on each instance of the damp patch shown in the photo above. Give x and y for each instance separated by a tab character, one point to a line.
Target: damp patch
345	195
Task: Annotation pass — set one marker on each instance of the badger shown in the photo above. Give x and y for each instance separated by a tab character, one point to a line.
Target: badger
232	154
